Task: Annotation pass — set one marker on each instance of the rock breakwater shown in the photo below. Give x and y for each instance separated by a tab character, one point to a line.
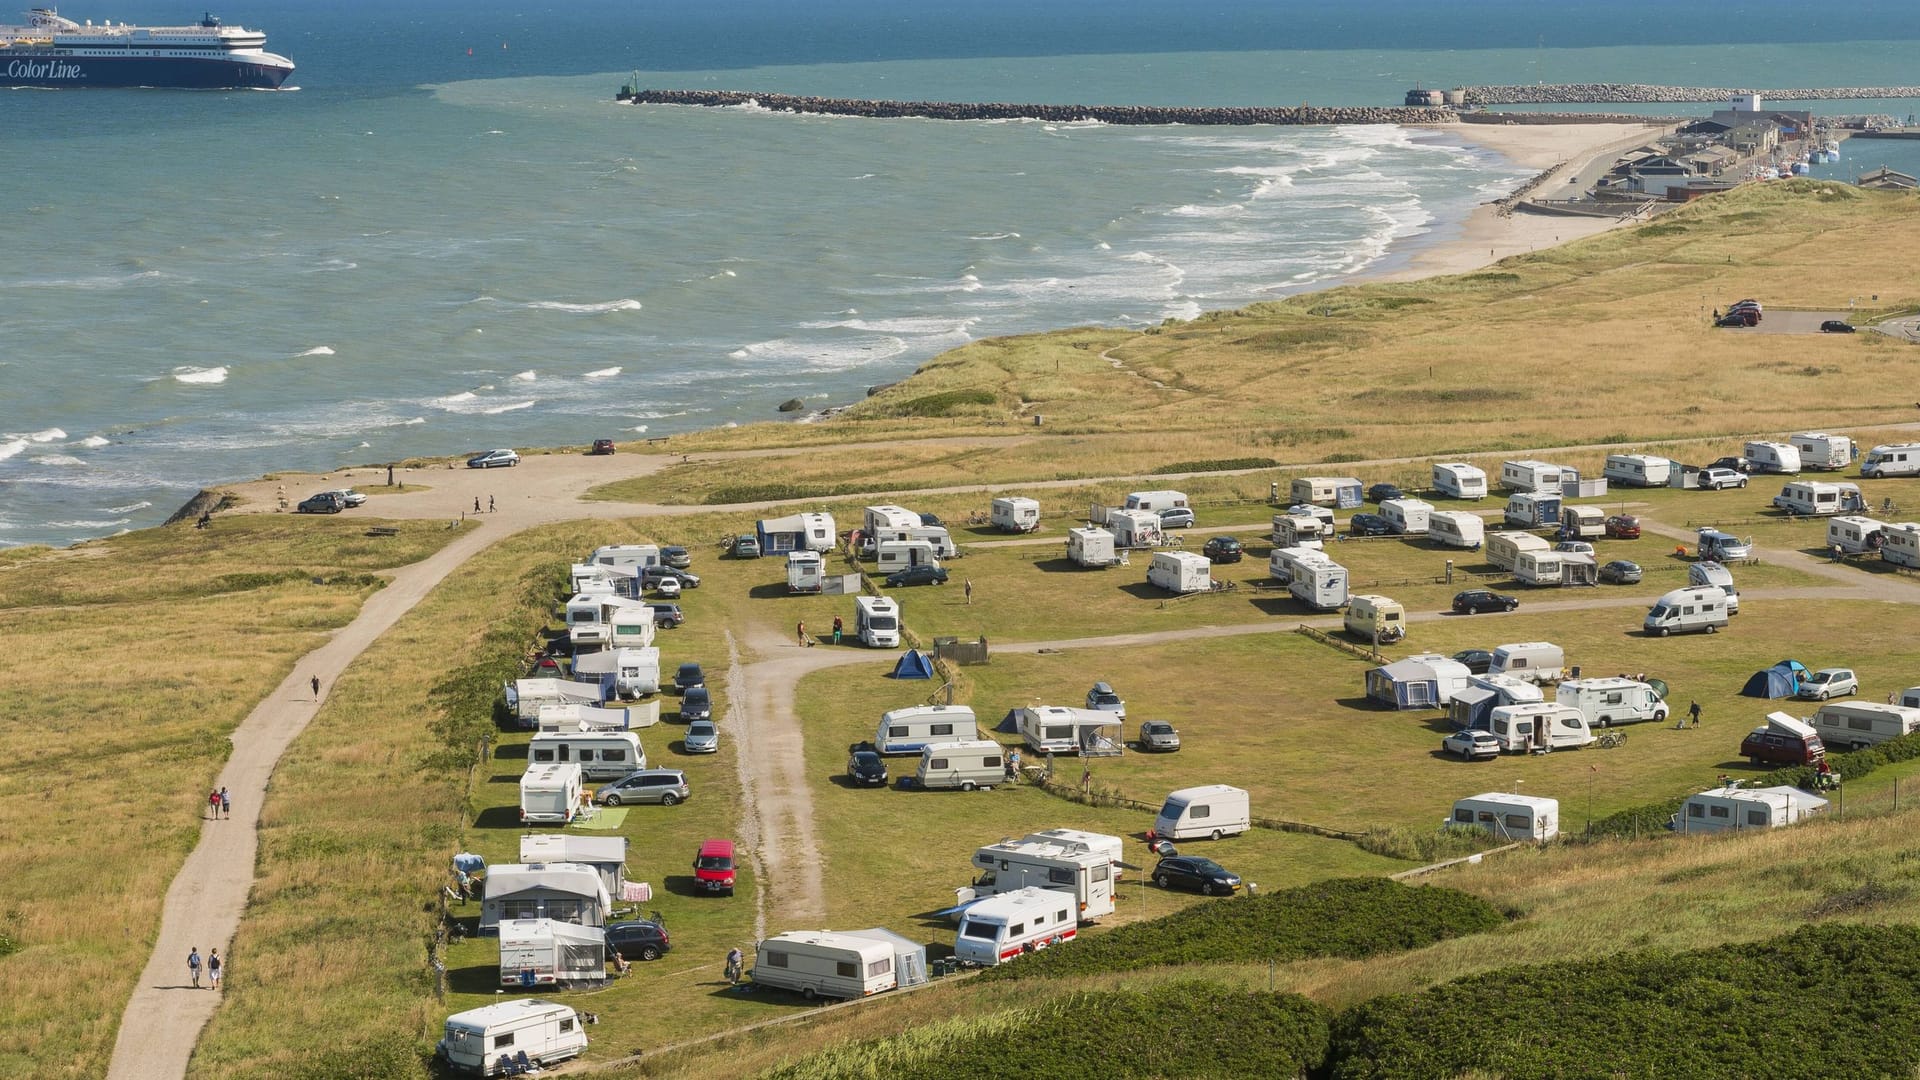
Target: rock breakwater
1106	114
1630	93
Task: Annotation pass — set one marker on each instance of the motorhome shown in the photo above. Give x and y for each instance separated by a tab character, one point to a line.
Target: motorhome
1375	619
1638	470
1530	475
881	522
1338	491
1317	581
1156	501
595	622
1180	572
892	556
590	579
1015	514
1058	729
627	555
1903	544
483	1041
601	755
550	793
1212	811
1504	548
823	964
1772	457
1534	661
1555	568
1818	497
526	697
1710	574
1456	528
1134	528
1821	451
1609	701
1281	562
1855	724
806	572
1080	864
876	621
1895	459
1297	530
1539	728
1406	517
1583	523
1459	480
1002	928
627	674
1683	610
979	763
1318	513
1725	547
913	729
1515	817
548	952
573	716
1783	740
1733	807
1090	545
1855	534
1534	509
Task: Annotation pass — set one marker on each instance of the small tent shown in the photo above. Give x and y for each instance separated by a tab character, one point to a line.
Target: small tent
1780	680
913	665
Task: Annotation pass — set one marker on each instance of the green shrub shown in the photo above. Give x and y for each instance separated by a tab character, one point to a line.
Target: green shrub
1216	465
1427	845
391	1057
944	403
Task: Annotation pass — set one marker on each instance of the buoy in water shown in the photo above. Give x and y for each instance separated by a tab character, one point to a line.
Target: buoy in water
469	52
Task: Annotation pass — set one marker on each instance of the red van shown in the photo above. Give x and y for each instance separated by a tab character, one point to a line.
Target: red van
1782	740
713	866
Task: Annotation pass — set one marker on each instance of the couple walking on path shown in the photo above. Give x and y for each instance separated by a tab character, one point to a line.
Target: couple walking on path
212	965
218	804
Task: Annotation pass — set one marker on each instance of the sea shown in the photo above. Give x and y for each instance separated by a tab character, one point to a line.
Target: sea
446	236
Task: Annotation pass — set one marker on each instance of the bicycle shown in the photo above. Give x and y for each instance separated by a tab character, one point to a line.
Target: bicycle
1609	739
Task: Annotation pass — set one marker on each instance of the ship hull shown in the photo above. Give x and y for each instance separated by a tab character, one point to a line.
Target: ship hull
19	68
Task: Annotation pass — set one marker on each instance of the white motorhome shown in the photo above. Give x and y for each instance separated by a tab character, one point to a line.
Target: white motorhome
1459	480
891	556
478	1040
1516	817
1376	619
1456	528
1638	470
1325	490
806	572
1001	928
1539	728
629	674
1063	860
548	952
1534	509
1015	514
1504	548
942	540
1682	610
627	555
1895	459
913	729
1212	811
1058	729
1180	571
1856	724
980	763
1714	544
1134	528
1281	562
1727	808
876	621
589	579
881	522
1317	581
1406	517
1855	534
1821	451
1555	568
1711	574
1530	475
1773	457
1534	661
601	755
1297	530
1903	544
1089	545
596	621
821	963
1583	522
1818	497
526	697
1609	701
550	793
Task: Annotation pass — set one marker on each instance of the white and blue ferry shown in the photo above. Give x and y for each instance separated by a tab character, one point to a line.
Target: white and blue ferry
52	51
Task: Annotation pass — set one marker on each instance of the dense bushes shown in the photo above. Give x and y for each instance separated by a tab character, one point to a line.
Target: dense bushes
1348	917
1841	1000
1215	465
944	403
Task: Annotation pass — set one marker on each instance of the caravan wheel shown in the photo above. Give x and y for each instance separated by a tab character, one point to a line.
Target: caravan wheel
1712	629
966	785
808	993
1216	834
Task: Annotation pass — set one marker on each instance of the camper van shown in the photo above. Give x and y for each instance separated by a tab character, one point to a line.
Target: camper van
1003	927
601	755
1714	544
880	522
1212	811
1155	501
626	674
1534	661
1609	701
1297	530
1456	528
1516	817
1458	480
1683	610
1317	581
911	730
1180	572
1854	724
1281	562
1710	574
806	572
876	621
1638	470
1090	545
1375	619
1772	457
481	1041
551	952
1727	808
821	963
1583	523
1504	548
979	763
1821	451
1014	514
1534	509
1896	459
1057	729
1817	497
1406	517
1903	544
1783	740
1530	475
1340	491
1134	528
1855	534
892	556
1539	728
1555	568
550	793
1063	860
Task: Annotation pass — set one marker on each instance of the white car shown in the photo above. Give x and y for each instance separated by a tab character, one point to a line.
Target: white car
1717	479
1574	547
1471	744
352	497
492	458
667	588
1829	682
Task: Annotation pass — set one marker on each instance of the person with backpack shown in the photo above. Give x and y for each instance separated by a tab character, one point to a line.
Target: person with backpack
213	969
193	966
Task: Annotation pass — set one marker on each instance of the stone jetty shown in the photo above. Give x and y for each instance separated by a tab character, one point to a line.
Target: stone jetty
1630	93
1108	114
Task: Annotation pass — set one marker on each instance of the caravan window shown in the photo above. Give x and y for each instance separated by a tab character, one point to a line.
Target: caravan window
566	1024
937	763
1519	821
986	931
1464	817
1487	817
943	729
618	753
880	967
1694	809
565	910
776	959
1059	876
1101	873
1515	663
1718	811
896	733
519	909
1756	817
1016	929
1860	723
1057	731
503	1039
992	762
846	969
1198	812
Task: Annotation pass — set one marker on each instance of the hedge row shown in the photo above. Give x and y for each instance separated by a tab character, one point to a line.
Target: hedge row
1347	917
1216	465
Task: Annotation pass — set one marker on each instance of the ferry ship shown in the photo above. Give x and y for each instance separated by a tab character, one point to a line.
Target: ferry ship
52	51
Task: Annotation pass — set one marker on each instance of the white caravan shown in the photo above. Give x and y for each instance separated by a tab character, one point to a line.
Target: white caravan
1317	581
1001	928
1058	729
1534	509
1682	610
1821	451
881	522
1583	522
1063	860
1456	528
1134	528
1406	517
1534	661
1211	811
551	953
913	729
1324	490
1539	728
1727	808
1015	514
1090	545
629	674
575	717
1855	534
1854	724
1516	817
1180	572
821	963
476	1041
526	697
1376	619
1903	544
597	621
590	579
607	855
1504	548
567	892
1711	574
1638	470
876	621
806	572
1156	501
1458	480
1530	475
1609	701
1894	459
892	556
1773	457
1818	497
980	763
627	555
550	793
601	755
1297	530
1555	568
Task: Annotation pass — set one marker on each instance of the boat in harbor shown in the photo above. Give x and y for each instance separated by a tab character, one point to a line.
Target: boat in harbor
52	51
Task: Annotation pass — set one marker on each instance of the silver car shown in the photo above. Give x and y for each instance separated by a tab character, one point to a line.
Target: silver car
1158	735
702	737
663	786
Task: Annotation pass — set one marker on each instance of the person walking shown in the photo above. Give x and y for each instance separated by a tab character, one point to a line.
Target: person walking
316	687
968	590
837	627
193	966
213	969
226	804
1693	712
489	504
735	961
213	804
800	632
476	504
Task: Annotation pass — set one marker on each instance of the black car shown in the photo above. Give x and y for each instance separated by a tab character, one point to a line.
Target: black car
652	576
1737	464
929	520
1477	661
689	676
1382	492
601	447
327	502
1739	318
1475	601
637	940
866	766
917	575
1202	875
1222	549
1836	326
1369	525
695	704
